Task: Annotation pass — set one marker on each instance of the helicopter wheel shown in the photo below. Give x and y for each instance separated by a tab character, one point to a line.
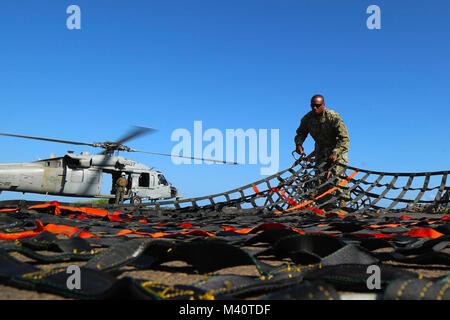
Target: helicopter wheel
136	201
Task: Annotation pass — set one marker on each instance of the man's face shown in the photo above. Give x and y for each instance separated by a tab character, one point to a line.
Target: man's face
317	105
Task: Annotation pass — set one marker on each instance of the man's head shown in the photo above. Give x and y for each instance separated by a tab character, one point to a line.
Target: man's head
123	174
318	104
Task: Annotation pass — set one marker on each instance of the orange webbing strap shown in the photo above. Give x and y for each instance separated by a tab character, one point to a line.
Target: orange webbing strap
292	202
304	204
196	232
46	205
263	226
9	210
68	231
424	233
91	211
23	234
53	228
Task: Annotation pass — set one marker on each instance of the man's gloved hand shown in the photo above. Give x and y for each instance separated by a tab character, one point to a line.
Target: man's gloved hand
332	158
300	150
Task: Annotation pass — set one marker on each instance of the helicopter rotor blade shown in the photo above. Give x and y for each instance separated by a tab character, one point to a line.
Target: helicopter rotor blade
193	158
118	145
48	139
135	133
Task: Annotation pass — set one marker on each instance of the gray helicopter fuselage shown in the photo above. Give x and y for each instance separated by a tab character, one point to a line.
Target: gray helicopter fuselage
81	175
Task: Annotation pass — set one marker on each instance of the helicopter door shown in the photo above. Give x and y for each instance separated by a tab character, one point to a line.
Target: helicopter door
77	175
82	182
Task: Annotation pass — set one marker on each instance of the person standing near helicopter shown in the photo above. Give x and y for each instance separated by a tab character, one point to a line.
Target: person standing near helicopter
121	188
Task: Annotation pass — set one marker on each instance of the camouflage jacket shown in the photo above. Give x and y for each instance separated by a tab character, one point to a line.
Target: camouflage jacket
328	131
121	182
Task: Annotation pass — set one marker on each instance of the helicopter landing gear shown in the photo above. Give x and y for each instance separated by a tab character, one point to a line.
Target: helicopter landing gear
136	201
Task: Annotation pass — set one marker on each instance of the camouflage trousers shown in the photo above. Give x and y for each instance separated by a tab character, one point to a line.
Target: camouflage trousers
120	193
330	175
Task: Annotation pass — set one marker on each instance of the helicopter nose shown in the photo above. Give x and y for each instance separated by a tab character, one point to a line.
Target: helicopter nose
174	191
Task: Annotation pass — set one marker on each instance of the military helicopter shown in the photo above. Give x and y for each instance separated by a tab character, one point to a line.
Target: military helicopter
81	175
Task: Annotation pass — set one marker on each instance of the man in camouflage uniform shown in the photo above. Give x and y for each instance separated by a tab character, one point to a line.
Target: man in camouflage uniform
331	143
121	188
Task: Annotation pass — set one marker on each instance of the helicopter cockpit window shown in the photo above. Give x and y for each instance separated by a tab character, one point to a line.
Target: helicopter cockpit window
144	180
162	180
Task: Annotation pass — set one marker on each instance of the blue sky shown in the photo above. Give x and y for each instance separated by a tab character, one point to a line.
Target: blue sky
230	64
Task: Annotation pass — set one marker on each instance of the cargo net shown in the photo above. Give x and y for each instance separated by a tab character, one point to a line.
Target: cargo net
273	239
305	186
